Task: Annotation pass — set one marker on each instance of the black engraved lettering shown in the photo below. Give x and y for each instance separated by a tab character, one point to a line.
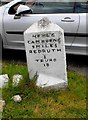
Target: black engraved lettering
37	41
32	42
51	45
37	60
41	60
33	46
53	50
54	59
54	40
58	49
37	46
48	51
42	41
46	46
50	40
47	35
34	36
53	35
44	65
44	56
38	35
55	45
43	35
35	51
43	50
29	42
39	51
47	64
50	60
47	41
43	46
30	51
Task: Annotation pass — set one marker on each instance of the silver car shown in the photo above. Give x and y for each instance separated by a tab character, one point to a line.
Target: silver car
71	16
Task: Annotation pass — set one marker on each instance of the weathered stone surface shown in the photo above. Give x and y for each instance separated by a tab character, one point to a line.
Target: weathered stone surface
47	82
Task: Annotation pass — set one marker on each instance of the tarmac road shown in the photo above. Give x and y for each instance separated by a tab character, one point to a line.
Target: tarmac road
76	63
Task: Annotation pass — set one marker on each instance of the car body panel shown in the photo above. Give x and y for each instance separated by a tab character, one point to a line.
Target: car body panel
11	29
13	32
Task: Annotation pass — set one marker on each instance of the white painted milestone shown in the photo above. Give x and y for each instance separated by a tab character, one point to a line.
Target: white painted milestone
45	51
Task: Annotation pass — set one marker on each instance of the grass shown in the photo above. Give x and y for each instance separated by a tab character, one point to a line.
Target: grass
38	103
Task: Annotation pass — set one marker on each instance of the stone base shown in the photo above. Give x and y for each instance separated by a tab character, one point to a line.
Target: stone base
49	82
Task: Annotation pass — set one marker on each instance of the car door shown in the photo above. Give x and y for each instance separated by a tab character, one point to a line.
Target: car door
81	37
63	16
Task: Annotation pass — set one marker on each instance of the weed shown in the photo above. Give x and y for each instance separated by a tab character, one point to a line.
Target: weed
40	103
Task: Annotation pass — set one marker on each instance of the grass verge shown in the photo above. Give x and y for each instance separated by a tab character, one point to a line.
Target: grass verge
37	103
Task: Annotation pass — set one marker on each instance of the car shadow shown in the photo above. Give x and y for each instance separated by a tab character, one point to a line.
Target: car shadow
76	63
14	55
